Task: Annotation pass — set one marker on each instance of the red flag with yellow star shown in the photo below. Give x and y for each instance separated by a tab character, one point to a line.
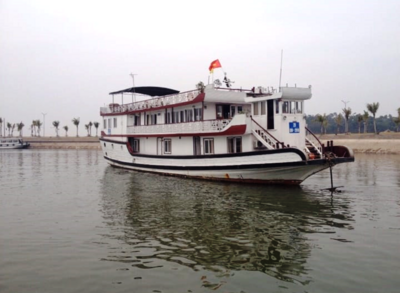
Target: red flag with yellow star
214	64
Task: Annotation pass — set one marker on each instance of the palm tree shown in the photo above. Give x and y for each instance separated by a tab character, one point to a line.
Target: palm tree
76	123
373	108
347	113
19	128
365	118
66	130
87	129
397	122
90	128
323	120
9	128
96	125
338	120
325	124
56	124
38	125
359	121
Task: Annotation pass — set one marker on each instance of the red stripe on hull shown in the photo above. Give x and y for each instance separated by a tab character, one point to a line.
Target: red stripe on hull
233	130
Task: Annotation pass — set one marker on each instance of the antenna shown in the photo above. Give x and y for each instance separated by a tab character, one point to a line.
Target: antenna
280	75
133	78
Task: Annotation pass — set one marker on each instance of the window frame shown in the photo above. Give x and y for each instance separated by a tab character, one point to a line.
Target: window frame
167	146
208	144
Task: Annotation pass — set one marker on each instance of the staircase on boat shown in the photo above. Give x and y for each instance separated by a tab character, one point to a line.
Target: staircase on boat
266	138
313	147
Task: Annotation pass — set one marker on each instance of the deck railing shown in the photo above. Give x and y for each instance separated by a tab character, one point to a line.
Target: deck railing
151	103
185	127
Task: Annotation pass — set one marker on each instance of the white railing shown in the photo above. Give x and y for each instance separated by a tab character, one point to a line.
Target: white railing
176	128
152	103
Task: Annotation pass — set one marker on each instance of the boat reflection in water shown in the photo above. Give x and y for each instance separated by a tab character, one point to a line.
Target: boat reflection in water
161	222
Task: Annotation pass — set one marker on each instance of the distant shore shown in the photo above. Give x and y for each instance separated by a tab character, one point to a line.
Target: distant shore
85	142
384	143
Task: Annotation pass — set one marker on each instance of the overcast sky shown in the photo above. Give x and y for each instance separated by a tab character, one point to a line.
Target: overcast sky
63	58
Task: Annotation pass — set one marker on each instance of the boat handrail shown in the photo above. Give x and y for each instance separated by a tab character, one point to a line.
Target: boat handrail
321	146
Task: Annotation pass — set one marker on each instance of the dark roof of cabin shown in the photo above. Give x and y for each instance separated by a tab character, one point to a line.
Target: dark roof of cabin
148	90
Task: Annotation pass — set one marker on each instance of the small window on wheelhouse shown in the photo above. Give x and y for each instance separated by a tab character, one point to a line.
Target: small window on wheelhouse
263	112
115	122
105	123
208	146
255	110
277	106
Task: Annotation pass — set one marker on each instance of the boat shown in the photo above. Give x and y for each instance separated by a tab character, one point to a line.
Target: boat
13	143
217	132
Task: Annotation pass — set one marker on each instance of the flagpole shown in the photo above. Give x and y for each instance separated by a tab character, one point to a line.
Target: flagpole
280	75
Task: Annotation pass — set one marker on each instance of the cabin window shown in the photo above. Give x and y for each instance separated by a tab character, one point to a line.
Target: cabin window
153	119
115	122
168	118
135	144
263	108
277	106
198	114
208	146
234	144
233	111
285	107
105	123
137	120
109	123
189	115
182	116
175	117
256	108
299	107
167	146
240	109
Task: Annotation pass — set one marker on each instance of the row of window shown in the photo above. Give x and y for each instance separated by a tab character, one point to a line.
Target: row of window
234	145
292	107
107	122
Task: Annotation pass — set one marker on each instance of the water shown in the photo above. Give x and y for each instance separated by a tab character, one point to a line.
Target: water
70	223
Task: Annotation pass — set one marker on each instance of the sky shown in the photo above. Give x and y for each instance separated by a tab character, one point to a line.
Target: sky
59	60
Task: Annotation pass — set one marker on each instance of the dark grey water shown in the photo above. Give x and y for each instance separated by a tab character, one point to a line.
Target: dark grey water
70	223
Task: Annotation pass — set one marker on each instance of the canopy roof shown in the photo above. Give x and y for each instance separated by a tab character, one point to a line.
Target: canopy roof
148	90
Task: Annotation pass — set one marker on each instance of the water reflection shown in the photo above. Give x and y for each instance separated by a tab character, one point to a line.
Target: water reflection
214	226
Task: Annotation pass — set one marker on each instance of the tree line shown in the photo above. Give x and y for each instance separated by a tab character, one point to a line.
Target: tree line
346	121
36	127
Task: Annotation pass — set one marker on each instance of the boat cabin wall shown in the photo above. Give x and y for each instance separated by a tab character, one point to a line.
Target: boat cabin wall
115	125
283	119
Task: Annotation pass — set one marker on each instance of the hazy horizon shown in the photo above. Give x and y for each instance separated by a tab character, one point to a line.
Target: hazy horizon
63	58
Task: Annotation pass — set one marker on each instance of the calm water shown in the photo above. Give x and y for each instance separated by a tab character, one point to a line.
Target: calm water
70	223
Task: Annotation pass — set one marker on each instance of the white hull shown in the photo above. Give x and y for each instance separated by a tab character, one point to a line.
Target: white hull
278	166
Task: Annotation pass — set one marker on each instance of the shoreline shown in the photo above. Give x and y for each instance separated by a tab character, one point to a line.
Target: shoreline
360	143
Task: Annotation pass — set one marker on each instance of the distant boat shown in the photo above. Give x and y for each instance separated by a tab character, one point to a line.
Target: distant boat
13	143
219	133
